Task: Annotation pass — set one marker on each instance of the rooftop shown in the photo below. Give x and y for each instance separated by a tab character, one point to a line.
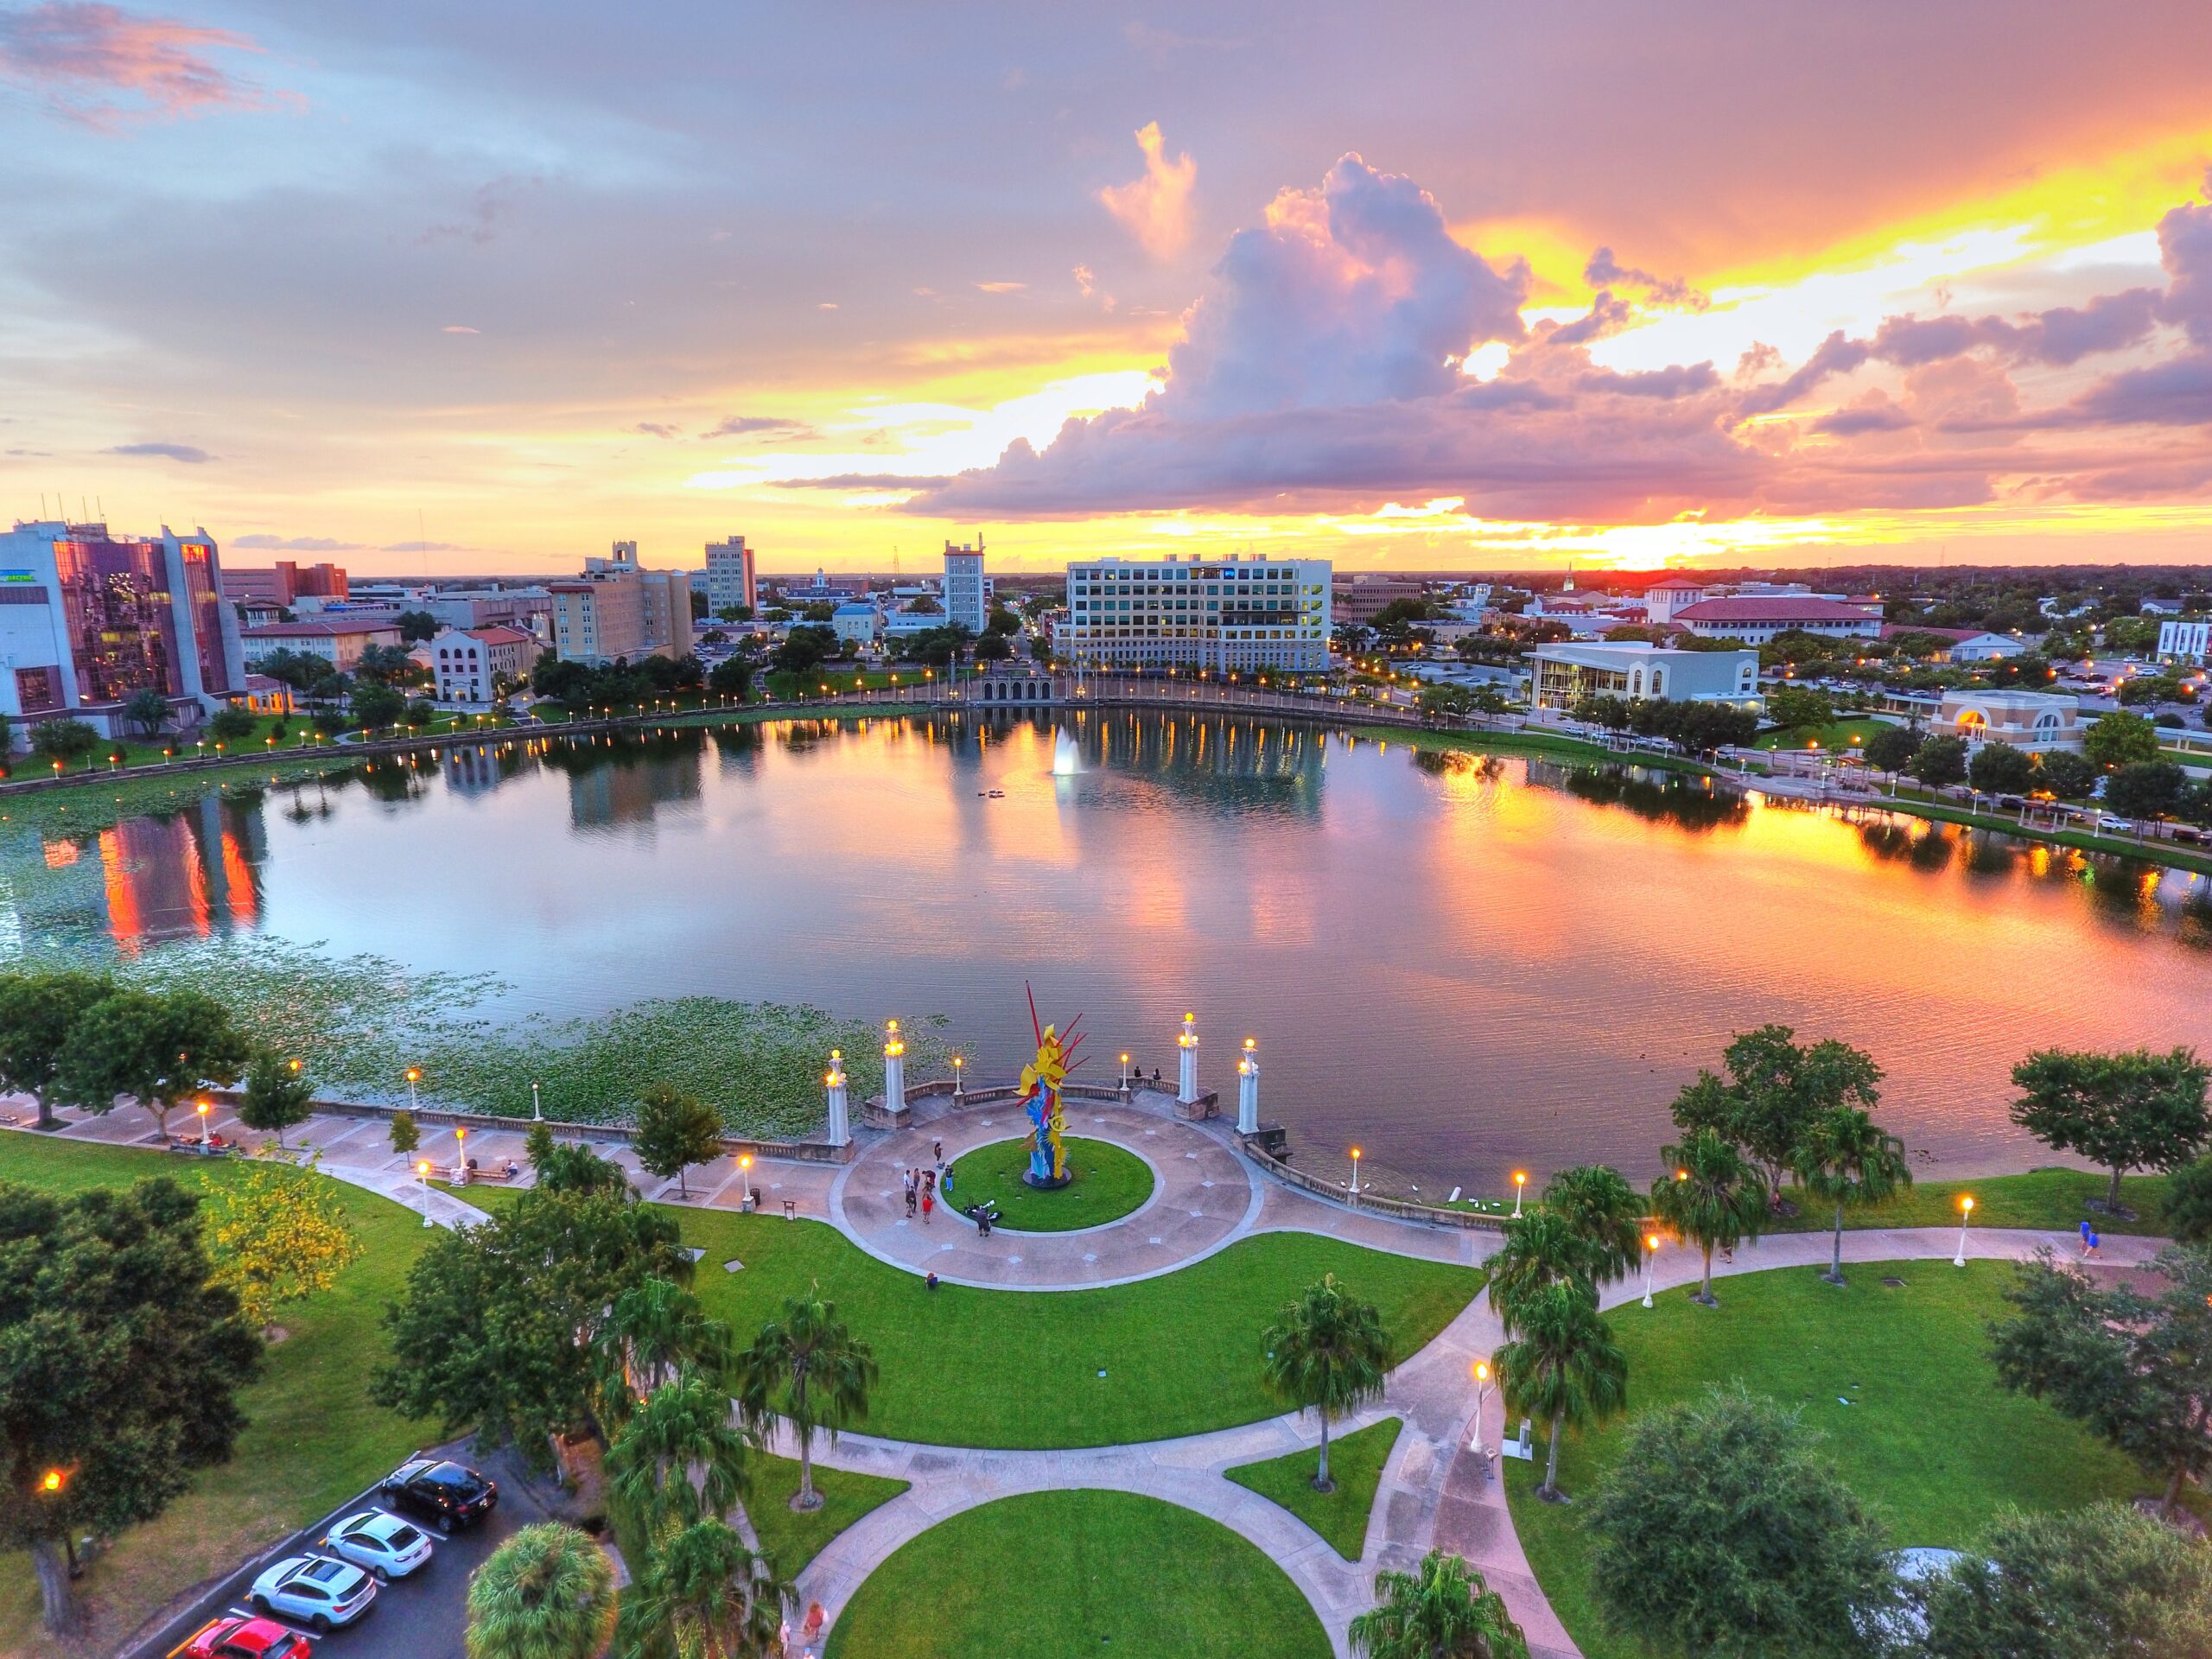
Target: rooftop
320	630
1778	608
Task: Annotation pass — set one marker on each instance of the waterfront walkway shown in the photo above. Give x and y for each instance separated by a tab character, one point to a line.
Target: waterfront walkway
1438	1488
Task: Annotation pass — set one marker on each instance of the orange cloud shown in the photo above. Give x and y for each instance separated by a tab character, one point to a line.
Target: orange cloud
1156	208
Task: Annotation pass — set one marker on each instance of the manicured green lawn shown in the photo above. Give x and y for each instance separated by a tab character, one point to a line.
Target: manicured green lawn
1109	1184
1051	1575
1354	1465
794	1538
2043	1199
1526	742
964	1367
1929	1440
1836	734
312	1440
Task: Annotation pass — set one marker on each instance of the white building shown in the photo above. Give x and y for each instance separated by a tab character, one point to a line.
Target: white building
859	621
730	576
967	593
1217	613
2184	642
2037	721
1565	673
1662	599
1757	619
468	664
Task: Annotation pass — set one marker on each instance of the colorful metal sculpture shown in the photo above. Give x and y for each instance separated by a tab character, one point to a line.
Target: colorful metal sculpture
1040	1099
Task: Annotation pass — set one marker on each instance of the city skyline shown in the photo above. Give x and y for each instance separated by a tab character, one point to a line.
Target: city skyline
424	293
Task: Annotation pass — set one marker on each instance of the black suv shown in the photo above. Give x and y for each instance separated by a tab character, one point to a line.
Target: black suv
444	1494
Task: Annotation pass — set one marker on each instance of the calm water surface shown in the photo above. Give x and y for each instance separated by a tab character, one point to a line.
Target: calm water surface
1461	965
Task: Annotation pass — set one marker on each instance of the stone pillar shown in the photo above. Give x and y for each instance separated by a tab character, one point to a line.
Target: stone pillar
840	1113
1188	1041
1247	1089
895	1070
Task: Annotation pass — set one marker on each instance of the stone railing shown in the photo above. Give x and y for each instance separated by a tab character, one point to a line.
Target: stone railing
1277	1164
427	1117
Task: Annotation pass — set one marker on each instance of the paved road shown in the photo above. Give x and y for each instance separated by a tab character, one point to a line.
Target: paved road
420	1616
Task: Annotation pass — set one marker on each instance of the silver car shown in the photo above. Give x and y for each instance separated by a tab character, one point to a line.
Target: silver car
315	1590
389	1546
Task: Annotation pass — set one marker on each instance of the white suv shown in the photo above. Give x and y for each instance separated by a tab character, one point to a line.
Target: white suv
319	1591
389	1546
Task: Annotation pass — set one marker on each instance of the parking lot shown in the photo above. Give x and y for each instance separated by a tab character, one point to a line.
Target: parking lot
419	1617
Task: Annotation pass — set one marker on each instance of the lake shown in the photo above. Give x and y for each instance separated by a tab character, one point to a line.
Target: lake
1461	965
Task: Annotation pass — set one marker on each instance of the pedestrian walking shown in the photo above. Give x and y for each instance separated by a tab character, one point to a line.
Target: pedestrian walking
2085	1238
936	1153
929	1203
910	1204
811	1631
2095	1244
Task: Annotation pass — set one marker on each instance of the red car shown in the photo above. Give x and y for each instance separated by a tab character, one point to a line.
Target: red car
246	1638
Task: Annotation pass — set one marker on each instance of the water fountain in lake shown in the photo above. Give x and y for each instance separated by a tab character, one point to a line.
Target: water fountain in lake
1066	760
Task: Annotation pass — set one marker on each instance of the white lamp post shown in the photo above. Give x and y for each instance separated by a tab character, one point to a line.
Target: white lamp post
461	1153
1187	1041
414	1076
1519	1182
959	1066
841	1122
537	1109
1650	1256
203	1108
1125	1076
1355	1175
423	1180
1247	1089
1481	1372
894	1069
1965	1215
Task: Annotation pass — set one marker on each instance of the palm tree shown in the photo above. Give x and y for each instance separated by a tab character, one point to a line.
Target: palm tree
1714	1198
1541	1249
1327	1353
548	1592
808	1368
1848	1158
680	1456
1448	1612
1565	1365
655	1328
704	1595
1597	1202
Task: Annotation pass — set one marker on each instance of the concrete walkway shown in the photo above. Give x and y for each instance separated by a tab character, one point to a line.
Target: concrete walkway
1439	1488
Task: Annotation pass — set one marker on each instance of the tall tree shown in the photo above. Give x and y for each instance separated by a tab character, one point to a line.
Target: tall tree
1445	1611
1891	748
118	1363
497	1324
1597	1201
807	1367
405	1136
703	1595
1940	762
655	1329
1775	1089
1720	1531
2132	1111
548	1592
1327	1353
1713	1198
2119	738
1848	1159
1999	768
278	1236
2098	1582
1564	1366
1541	1249
37	1013
679	1458
277	1094
2134	1369
675	1131
157	1048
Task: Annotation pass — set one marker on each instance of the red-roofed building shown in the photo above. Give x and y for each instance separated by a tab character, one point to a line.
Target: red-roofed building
1663	598
1755	620
340	640
1962	644
470	666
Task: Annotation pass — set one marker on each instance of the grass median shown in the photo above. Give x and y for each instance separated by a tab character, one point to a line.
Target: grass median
1109	1184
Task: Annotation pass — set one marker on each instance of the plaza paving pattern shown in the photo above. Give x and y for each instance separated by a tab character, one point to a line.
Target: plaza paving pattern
1438	1489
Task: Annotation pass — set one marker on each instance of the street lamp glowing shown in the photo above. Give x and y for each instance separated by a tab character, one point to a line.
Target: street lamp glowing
745	1160
52	1480
1965	1215
1650	1255
1520	1181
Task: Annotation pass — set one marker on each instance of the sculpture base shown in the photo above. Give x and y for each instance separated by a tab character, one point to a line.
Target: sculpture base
1045	1184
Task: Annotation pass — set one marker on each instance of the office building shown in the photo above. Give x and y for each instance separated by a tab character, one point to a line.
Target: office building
731	580
966	592
2184	642
857	621
1225	614
618	612
2039	721
472	664
339	640
88	620
283	582
1565	673
1756	618
1360	599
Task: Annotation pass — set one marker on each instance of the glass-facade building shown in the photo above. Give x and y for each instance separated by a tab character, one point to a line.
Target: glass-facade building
1225	614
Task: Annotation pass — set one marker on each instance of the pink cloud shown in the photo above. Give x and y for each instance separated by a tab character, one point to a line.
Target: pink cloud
1156	207
101	64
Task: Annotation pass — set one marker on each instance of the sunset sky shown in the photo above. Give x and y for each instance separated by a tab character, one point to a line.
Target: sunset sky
431	287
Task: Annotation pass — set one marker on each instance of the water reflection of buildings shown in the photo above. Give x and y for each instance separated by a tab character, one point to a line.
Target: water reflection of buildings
1240	764
188	875
629	782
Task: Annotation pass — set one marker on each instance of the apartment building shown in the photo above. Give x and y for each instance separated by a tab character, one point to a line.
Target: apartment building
1227	614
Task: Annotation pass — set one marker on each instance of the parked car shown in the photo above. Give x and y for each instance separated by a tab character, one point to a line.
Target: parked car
318	1591
443	1493
389	1546
245	1638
